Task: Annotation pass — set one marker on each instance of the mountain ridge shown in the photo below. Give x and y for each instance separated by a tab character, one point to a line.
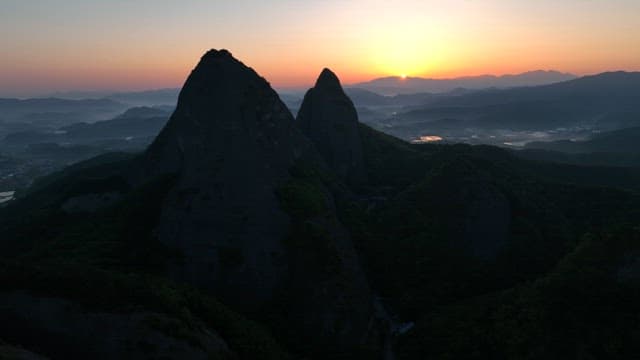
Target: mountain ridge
394	85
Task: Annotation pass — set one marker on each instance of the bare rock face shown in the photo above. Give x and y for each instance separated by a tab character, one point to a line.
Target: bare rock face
327	117
231	142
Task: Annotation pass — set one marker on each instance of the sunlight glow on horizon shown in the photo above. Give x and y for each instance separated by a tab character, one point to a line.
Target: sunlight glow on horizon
124	45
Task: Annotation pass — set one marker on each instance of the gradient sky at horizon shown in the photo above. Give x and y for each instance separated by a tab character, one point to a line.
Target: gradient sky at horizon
69	45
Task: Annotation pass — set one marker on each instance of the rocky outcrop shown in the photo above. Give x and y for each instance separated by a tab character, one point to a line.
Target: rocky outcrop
232	143
328	117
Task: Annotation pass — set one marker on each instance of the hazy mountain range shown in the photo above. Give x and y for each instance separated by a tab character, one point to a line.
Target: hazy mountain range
58	111
602	102
167	96
394	85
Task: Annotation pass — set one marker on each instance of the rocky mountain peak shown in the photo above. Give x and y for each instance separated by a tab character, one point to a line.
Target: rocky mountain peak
328	117
223	106
222	53
232	144
328	81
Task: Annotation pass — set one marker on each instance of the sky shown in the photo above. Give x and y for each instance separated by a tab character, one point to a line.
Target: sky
69	45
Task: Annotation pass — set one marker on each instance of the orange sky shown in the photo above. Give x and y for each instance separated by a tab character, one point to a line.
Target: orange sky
127	45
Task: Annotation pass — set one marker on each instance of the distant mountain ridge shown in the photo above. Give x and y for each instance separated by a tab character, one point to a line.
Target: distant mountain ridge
149	97
19	109
56	112
602	102
613	83
390	85
394	85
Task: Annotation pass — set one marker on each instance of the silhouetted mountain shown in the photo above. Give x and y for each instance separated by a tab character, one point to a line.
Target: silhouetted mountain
234	149
327	117
470	251
394	85
235	190
230	122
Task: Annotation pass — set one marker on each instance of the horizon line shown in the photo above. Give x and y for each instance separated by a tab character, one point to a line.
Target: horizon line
101	93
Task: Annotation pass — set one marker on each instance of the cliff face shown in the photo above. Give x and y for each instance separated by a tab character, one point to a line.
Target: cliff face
232	143
328	117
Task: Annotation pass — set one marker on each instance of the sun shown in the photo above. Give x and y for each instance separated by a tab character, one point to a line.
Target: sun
403	76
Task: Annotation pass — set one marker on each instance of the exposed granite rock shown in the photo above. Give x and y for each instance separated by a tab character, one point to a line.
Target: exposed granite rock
328	117
62	329
232	143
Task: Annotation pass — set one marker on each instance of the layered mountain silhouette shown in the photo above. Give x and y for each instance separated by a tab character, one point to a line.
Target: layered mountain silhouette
608	87
338	241
327	117
58	112
606	101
